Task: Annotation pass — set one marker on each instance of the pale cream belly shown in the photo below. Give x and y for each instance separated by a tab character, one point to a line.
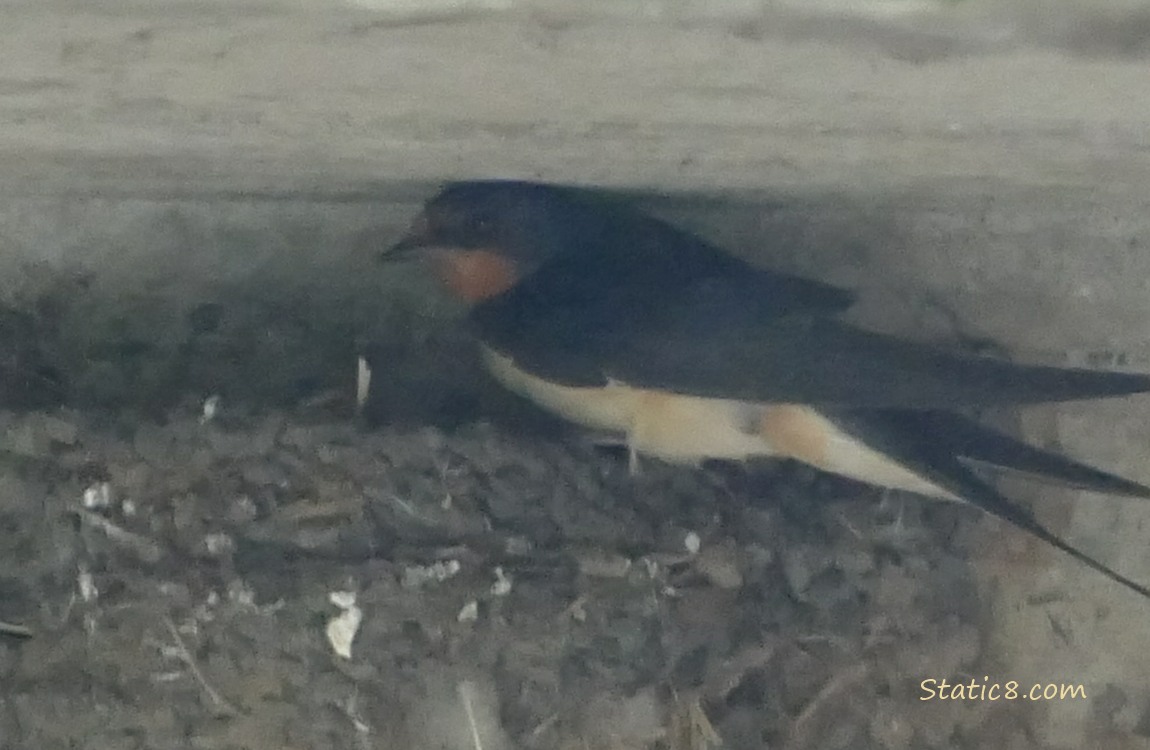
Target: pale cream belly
689	429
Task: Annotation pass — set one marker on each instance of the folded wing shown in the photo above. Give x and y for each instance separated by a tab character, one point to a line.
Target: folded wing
750	336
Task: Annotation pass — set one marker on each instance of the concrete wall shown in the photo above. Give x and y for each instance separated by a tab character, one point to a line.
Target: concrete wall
971	168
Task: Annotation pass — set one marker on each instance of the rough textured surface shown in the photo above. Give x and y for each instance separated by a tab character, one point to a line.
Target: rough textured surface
176	577
186	192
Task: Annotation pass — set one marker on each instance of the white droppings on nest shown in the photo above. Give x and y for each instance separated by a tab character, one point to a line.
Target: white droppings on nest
502	585
211	409
87	585
414	576
692	543
469	612
362	382
342	628
241	593
219	544
97	496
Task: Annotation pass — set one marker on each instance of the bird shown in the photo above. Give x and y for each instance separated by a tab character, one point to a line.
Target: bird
628	326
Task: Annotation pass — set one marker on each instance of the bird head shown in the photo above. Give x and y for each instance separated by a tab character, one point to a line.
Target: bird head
485	236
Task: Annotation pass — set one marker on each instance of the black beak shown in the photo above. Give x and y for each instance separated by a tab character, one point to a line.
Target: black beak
418	237
401	250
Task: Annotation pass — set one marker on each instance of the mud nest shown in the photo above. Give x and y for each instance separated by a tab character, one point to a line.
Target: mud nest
168	583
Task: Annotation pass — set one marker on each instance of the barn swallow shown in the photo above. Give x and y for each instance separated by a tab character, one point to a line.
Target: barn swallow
622	323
